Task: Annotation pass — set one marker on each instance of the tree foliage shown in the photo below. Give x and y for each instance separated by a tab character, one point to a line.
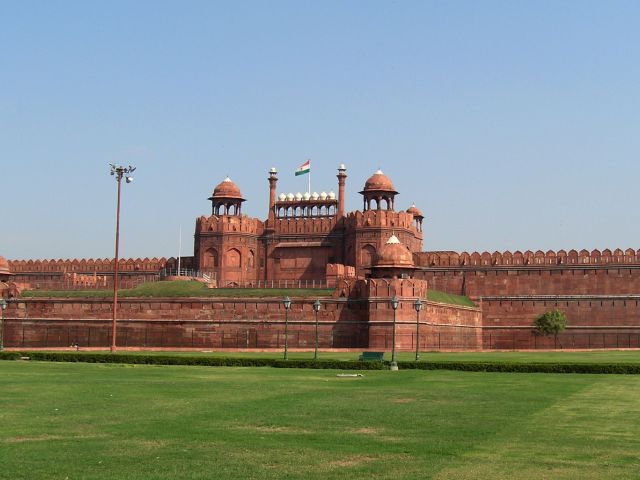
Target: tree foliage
550	323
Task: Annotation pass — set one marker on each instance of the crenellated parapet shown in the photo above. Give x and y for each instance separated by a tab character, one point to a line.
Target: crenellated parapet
396	287
529	258
88	265
380	218
310	225
229	224
380	288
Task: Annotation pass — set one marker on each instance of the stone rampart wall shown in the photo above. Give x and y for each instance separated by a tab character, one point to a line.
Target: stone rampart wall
234	323
614	279
592	321
561	257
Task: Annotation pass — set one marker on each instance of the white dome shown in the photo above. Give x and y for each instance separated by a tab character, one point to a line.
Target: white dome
332	195
282	197
290	197
323	196
306	196
392	240
315	195
298	196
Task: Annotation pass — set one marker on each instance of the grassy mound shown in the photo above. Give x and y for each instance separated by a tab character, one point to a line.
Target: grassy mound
449	298
197	289
183	289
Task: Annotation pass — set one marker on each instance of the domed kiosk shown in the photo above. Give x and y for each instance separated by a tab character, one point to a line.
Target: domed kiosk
226	199
417	216
377	189
5	272
394	260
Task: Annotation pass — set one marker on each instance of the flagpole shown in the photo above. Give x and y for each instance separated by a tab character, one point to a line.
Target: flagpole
179	248
309	180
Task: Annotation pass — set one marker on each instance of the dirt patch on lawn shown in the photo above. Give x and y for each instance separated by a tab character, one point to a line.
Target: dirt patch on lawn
354	461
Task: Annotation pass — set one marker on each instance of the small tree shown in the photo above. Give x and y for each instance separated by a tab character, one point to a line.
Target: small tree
550	323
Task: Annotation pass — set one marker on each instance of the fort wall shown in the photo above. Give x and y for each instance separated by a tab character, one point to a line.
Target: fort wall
189	323
598	291
235	323
593	321
570	279
507	258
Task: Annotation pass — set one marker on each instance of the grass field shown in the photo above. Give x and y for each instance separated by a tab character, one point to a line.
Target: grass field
144	422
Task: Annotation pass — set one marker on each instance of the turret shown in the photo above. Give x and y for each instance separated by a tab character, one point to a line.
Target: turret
226	198
342	177
378	188
273	180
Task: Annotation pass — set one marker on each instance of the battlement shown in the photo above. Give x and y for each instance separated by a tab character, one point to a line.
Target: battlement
310	225
380	218
88	265
229	224
561	257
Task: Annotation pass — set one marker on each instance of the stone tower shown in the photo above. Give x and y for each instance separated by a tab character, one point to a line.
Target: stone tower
226	246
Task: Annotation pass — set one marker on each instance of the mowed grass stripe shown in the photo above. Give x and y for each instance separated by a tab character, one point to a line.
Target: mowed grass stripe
122	421
594	433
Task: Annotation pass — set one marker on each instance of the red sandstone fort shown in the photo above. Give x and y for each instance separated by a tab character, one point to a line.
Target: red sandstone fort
367	256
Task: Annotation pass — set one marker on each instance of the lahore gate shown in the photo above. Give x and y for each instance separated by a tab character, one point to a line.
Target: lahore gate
358	261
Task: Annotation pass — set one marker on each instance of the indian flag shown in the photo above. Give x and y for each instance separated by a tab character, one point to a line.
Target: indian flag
304	168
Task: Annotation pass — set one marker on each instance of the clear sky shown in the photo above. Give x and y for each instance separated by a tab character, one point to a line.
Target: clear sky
511	125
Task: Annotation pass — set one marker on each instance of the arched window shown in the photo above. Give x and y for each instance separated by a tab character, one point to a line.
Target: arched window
233	258
367	255
210	258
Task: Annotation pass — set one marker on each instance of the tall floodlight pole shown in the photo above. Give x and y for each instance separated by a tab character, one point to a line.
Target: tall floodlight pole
418	307
394	305
3	305
316	309
286	301
119	172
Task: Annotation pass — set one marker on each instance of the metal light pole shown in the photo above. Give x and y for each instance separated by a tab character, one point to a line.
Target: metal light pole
418	307
286	301
316	308
394	305
119	172
3	305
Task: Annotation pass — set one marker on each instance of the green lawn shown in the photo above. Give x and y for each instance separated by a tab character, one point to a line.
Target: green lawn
134	422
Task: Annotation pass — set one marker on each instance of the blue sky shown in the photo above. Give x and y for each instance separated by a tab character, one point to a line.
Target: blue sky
512	125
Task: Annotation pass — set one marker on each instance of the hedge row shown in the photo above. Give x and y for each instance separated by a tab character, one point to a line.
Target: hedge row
599	368
191	360
619	368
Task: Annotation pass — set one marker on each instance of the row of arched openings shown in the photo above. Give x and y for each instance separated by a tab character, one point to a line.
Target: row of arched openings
232	259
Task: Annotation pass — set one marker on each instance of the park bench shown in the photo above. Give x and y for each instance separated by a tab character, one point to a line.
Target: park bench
371	357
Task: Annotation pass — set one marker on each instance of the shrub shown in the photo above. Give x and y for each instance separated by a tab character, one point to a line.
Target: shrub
550	323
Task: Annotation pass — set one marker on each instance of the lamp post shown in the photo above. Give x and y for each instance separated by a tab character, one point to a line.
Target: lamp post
3	305
286	301
394	305
316	309
418	307
119	172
